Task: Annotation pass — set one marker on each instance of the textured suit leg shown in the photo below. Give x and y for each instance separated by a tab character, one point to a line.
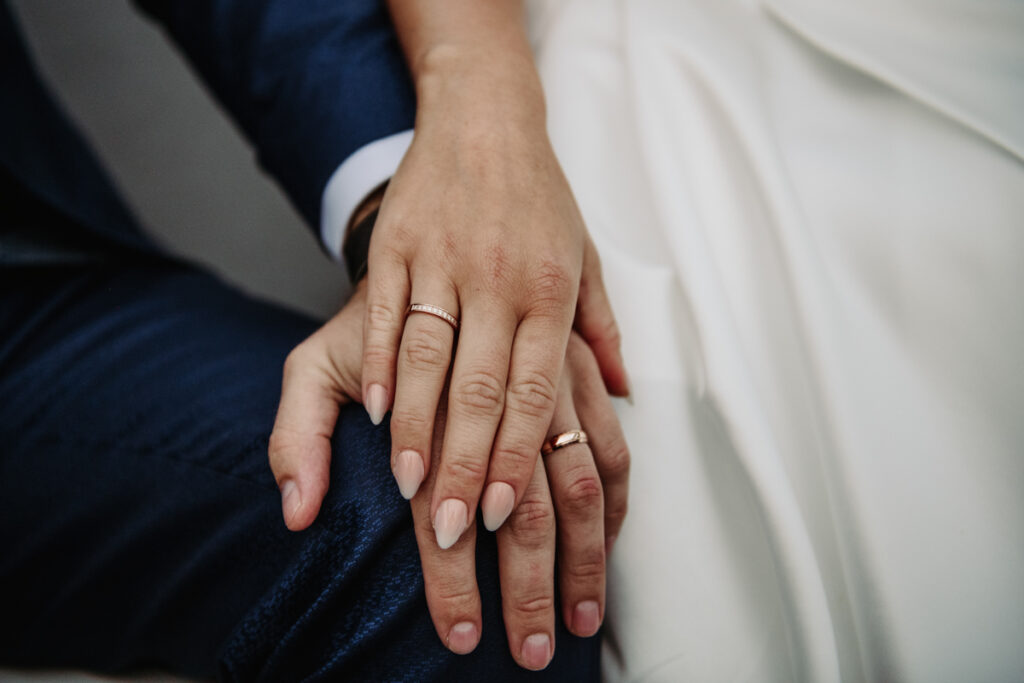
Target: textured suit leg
140	522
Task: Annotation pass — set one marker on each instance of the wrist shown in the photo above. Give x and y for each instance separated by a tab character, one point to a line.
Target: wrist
492	84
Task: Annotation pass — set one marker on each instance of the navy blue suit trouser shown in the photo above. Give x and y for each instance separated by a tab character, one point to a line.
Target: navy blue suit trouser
140	525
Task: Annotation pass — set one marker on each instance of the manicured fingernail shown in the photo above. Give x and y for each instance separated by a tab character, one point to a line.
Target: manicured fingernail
586	618
376	402
291	499
408	473
536	651
449	522
497	504
462	638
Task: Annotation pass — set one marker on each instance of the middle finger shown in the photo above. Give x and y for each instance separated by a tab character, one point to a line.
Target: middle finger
476	398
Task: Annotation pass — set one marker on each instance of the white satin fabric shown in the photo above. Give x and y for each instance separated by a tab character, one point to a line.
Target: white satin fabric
811	220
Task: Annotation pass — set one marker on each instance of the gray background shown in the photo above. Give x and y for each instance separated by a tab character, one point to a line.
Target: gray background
181	164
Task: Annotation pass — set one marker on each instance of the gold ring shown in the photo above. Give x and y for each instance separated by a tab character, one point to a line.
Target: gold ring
562	440
436	311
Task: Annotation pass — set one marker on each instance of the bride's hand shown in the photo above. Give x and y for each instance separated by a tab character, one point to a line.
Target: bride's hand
479	221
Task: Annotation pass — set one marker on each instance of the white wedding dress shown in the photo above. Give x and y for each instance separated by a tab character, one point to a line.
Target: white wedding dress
811	220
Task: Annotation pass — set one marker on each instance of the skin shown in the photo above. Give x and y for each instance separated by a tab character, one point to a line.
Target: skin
479	220
572	507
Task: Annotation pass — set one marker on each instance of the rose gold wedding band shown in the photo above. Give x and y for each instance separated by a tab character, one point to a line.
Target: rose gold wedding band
436	311
562	440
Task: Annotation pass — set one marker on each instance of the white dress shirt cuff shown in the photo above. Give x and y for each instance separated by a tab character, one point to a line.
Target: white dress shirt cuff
359	175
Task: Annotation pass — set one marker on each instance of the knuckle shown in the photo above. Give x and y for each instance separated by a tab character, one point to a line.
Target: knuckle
425	350
551	284
409	422
376	355
534	605
516	458
496	265
587	566
615	516
532	395
616	461
380	315
396	233
466	468
480	393
584	496
532	521
454	590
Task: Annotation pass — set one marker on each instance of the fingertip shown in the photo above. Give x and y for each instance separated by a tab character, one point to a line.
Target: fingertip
496	504
376	402
408	473
536	651
463	638
586	618
291	504
450	521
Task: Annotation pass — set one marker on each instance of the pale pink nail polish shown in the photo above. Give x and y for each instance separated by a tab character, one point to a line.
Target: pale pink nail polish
449	522
408	473
496	504
586	618
462	638
536	651
376	402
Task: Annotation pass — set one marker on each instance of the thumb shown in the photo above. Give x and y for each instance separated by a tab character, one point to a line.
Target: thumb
595	322
300	444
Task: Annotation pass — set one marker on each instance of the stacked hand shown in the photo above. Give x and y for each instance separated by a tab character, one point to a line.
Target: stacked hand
571	508
479	225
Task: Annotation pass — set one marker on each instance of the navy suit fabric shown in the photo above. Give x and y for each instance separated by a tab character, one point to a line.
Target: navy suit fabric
140	525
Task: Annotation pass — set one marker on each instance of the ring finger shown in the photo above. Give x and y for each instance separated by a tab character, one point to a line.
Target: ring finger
579	510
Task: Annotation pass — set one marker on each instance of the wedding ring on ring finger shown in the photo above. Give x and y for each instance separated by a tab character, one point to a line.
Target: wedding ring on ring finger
562	440
436	311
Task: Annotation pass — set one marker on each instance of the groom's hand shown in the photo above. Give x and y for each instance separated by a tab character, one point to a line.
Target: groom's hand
586	497
572	510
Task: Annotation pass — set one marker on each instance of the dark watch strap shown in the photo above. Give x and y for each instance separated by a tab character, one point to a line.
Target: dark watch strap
357	246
